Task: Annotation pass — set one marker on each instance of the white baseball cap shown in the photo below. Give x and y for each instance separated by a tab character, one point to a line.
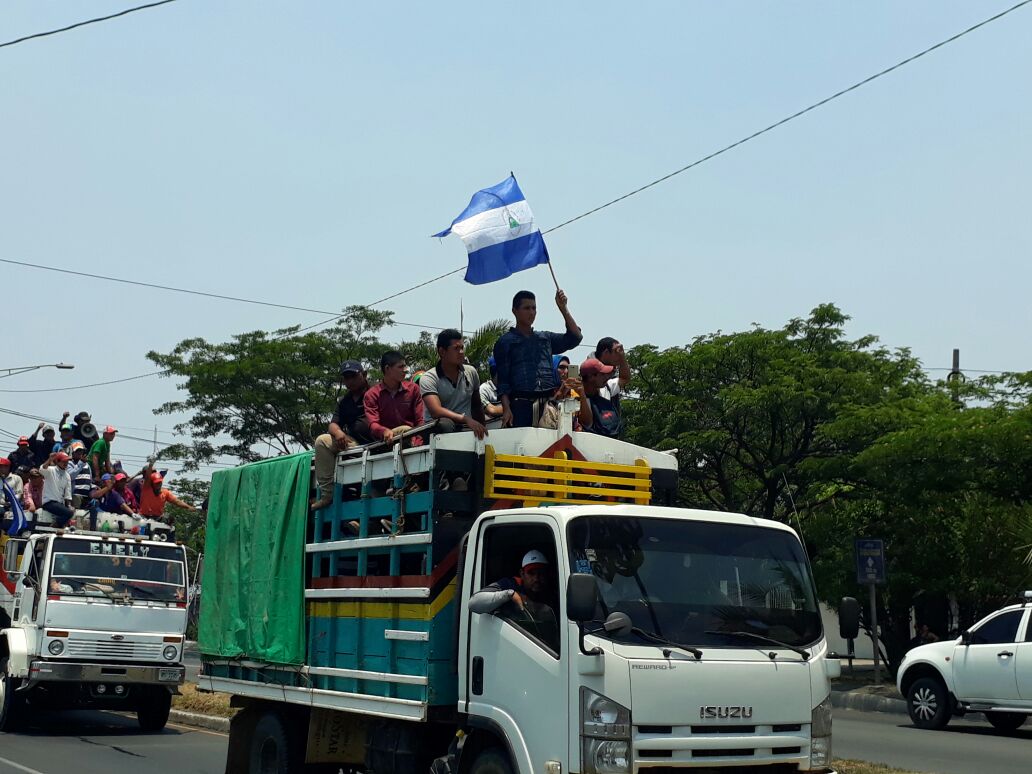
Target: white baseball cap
533	557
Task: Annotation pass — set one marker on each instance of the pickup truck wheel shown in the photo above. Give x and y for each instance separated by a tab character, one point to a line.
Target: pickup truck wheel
270	749
11	705
928	703
153	713
1006	721
491	761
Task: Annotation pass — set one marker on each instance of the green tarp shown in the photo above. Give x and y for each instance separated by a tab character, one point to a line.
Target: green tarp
252	603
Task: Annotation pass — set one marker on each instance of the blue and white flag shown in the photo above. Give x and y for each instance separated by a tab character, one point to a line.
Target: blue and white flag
20	522
499	232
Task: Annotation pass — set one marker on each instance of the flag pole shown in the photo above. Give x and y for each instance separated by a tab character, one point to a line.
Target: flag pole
553	274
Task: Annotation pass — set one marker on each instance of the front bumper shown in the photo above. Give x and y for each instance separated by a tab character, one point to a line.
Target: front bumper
135	674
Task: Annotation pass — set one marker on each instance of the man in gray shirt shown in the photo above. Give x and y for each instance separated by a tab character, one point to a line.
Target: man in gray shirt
451	390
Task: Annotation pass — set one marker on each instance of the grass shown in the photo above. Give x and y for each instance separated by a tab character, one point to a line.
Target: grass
862	767
192	700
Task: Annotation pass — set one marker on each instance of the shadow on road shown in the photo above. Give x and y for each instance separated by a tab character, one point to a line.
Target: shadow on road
92	723
969	728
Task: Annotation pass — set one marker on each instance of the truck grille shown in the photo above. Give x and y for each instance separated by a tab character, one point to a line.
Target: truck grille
128	651
727	744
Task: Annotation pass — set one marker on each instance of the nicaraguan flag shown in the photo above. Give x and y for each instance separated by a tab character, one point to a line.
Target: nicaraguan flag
17	512
499	232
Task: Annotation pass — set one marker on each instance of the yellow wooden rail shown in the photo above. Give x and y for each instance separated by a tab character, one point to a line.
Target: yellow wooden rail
535	480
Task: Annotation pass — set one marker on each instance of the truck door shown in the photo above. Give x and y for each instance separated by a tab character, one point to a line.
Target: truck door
517	671
984	670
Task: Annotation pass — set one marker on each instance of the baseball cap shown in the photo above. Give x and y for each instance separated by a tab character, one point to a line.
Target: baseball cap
156	478
592	367
23	441
351	367
120	476
61	457
532	558
67	426
106	477
47	429
77	446
110	429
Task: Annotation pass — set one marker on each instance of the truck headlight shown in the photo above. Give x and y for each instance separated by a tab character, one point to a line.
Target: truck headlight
170	652
56	647
820	735
605	735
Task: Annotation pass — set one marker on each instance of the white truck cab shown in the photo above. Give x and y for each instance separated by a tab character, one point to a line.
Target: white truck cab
987	669
93	620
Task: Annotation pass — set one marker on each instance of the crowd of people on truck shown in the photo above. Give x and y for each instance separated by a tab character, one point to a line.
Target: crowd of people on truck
74	470
530	377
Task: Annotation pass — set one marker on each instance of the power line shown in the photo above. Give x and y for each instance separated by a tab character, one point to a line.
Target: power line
85	386
84	23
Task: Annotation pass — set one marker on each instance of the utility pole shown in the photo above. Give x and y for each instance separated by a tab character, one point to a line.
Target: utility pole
955	377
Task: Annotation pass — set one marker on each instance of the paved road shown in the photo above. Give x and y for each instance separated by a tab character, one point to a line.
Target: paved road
108	743
964	747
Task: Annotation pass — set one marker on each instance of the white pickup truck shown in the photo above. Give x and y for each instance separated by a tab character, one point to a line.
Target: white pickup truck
94	620
987	669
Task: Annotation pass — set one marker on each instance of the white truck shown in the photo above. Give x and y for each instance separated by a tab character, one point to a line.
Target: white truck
987	669
93	620
669	639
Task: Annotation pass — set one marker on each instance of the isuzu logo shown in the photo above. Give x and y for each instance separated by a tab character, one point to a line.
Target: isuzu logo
118	637
724	712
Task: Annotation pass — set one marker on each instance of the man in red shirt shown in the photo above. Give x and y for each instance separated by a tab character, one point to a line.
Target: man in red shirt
153	498
395	405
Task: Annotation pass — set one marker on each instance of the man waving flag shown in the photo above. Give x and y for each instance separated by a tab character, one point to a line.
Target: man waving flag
499	232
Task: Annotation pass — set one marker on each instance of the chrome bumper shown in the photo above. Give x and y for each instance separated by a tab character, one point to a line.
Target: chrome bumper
71	672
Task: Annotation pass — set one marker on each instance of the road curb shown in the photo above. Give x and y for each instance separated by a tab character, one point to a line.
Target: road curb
197	720
868	702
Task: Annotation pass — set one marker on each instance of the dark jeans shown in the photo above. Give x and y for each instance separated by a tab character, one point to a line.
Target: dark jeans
61	512
523	411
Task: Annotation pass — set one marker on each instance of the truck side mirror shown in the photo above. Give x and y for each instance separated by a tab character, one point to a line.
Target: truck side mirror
12	555
581	597
849	618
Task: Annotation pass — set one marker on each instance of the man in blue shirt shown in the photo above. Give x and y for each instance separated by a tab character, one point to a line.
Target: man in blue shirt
526	378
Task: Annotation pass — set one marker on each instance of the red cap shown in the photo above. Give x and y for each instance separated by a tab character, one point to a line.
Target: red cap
23	441
120	476
61	457
156	478
592	367
5	461
110	429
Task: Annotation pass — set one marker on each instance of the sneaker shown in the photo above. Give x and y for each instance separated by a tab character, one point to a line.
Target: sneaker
459	485
355	527
322	502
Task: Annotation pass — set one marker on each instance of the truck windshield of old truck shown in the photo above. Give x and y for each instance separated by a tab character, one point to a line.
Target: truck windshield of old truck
698	583
118	569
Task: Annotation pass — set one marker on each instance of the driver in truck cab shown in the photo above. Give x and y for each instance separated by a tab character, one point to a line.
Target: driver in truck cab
527	599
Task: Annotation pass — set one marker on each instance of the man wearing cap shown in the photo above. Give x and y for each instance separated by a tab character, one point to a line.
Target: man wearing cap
64	443
22	456
605	411
348	427
526	598
57	488
111	494
100	453
153	498
81	474
43	447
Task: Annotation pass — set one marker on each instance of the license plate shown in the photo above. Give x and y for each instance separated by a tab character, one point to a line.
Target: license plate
169	675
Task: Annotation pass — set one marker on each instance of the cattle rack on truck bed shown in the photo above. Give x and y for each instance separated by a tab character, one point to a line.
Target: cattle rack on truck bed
301	607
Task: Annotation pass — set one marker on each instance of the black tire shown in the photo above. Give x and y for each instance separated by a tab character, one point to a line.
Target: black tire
12	707
491	761
928	703
1006	721
152	715
271	750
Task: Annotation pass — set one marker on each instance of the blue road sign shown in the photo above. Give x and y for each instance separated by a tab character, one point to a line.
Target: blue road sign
870	561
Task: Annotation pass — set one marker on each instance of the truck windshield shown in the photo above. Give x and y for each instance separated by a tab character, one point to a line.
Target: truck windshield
117	570
699	583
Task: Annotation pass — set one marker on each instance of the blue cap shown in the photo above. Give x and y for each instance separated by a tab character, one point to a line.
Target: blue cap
106	477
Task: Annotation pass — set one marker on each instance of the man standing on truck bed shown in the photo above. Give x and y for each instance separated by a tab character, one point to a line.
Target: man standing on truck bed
526	376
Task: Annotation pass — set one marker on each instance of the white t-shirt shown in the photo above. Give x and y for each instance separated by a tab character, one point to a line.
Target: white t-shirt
610	389
57	484
489	394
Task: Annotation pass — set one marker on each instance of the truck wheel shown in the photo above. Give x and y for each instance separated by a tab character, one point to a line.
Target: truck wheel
11	705
928	703
271	749
153	713
491	761
1006	721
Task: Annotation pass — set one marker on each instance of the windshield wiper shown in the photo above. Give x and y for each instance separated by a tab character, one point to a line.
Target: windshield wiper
664	641
769	640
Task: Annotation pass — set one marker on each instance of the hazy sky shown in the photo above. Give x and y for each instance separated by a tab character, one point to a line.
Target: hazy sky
301	152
